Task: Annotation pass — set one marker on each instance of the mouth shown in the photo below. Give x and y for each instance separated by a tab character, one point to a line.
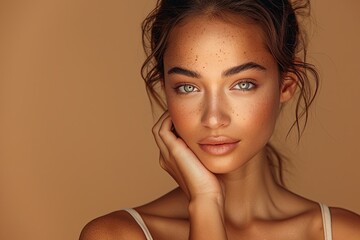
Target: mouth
218	145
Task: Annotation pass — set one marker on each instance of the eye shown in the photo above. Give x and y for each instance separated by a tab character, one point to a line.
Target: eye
186	88
244	86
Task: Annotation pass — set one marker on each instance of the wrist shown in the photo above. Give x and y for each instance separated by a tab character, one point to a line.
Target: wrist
207	217
206	202
207	198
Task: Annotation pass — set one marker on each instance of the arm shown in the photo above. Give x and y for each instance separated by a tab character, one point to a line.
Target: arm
203	189
117	225
206	219
346	224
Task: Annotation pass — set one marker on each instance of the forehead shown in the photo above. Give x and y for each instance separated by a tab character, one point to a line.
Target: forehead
206	37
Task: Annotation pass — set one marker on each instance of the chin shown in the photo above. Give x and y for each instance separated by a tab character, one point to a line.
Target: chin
221	164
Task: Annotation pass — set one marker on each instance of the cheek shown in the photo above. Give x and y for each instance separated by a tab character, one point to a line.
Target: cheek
259	117
184	115
265	119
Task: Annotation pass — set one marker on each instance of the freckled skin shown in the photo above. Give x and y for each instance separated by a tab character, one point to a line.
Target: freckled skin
216	109
245	202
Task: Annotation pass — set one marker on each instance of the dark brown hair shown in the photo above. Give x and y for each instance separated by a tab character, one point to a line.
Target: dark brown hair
279	20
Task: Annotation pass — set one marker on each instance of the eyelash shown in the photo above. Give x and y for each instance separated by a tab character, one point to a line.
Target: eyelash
181	89
251	85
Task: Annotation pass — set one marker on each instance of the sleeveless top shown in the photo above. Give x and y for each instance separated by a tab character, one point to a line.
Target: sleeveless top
325	213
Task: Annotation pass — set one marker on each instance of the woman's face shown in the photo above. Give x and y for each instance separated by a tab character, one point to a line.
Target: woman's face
222	90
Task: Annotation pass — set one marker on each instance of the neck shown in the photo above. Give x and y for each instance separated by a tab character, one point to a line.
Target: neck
251	192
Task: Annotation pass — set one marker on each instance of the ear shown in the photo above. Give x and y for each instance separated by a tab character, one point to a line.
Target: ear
288	87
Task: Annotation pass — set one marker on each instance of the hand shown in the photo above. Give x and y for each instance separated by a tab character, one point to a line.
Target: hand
182	164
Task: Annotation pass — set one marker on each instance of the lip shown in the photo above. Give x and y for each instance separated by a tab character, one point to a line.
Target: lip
219	145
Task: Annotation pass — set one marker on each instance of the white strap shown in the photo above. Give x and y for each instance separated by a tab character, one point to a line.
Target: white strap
325	212
140	221
326	216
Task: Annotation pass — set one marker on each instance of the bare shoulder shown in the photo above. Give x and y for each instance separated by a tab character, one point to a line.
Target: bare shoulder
121	225
113	226
346	224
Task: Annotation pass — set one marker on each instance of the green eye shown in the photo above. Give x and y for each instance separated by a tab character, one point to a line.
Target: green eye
186	88
245	86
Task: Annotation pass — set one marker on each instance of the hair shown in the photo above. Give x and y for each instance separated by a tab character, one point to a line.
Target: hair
279	21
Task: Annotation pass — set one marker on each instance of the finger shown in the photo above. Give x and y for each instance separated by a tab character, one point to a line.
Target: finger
157	125
162	162
158	140
187	164
171	141
175	174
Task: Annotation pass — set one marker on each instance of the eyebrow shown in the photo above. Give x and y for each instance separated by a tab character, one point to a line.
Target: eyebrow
226	73
243	67
182	71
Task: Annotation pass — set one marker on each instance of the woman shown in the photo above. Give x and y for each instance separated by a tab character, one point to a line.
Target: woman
226	68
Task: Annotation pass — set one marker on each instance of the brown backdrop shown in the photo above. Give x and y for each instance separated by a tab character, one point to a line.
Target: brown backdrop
75	139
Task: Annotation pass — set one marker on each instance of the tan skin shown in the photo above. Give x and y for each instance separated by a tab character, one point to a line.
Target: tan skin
224	94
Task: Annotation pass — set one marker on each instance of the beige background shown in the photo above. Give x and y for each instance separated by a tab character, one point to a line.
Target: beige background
75	139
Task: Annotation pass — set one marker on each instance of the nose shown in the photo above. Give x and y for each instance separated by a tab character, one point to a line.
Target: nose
215	111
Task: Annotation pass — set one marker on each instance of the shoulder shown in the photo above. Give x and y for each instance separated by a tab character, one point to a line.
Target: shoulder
121	225
114	226
345	224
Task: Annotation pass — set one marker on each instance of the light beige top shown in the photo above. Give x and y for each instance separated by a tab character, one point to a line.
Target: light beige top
325	212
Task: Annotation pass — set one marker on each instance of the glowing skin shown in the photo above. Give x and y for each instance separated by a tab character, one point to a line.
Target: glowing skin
224	94
222	89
